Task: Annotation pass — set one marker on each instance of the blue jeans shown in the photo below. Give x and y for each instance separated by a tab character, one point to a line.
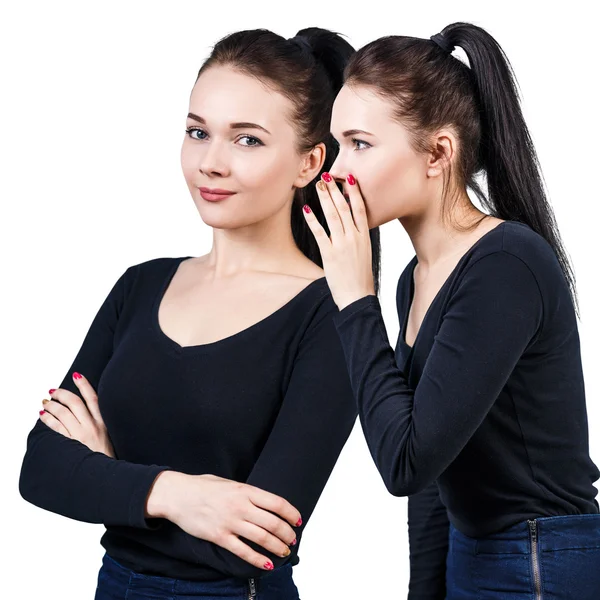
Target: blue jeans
551	558
116	582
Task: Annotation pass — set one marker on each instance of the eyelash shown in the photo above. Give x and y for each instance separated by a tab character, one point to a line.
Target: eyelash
189	131
357	141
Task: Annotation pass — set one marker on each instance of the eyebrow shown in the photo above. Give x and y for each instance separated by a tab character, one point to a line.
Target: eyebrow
351	132
243	125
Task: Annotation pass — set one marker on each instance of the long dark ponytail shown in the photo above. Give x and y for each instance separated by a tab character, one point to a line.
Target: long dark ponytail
308	70
430	89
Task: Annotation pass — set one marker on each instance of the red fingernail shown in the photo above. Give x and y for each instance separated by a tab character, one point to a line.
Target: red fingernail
326	177
51	391
42	412
351	179
299	522
76	376
294	543
306	208
269	565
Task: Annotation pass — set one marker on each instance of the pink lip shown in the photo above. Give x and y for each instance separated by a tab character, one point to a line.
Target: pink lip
214	195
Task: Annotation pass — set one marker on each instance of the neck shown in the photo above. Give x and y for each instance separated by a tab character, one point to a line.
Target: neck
435	239
264	246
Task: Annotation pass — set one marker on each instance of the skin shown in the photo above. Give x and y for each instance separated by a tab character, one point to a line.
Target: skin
393	182
253	268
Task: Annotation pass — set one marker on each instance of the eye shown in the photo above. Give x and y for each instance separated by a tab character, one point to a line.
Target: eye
196	133
252	141
357	144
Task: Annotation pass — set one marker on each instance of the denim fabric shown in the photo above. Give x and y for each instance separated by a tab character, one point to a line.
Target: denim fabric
551	558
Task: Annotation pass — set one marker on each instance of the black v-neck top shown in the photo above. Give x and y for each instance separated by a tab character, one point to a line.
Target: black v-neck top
483	421
270	406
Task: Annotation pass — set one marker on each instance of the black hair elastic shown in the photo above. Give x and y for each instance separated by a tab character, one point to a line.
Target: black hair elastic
302	43
442	42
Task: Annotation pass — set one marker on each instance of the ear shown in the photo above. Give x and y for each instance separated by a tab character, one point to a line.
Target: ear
312	163
444	148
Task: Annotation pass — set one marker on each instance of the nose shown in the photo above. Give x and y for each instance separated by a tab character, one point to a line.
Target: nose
338	169
213	162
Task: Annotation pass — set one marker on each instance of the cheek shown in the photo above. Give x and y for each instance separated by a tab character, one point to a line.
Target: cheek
190	160
391	183
266	177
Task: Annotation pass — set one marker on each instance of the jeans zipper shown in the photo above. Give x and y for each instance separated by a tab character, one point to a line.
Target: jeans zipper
252	586
535	560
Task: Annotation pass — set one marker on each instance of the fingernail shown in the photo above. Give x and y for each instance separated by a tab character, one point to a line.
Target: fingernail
42	412
294	543
76	376
326	177
51	391
44	401
306	208
299	522
269	565
286	553
350	179
321	185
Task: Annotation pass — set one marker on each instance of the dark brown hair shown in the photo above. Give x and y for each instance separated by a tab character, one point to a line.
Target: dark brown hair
308	70
430	89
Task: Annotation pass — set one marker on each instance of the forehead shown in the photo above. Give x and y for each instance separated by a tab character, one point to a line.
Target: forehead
357	107
223	95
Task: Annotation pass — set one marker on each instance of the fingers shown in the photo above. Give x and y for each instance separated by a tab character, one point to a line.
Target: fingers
332	216
275	504
329	186
235	545
73	402
263	538
89	395
273	524
317	229
63	414
53	423
359	209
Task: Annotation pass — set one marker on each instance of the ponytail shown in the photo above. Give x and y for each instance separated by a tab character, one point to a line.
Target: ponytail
430	89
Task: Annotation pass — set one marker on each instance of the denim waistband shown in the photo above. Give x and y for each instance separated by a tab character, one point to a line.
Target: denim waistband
227	585
553	533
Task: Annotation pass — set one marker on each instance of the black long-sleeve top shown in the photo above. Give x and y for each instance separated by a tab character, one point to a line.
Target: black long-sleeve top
270	406
483	420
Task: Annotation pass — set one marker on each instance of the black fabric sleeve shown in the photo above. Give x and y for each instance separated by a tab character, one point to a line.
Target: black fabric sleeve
315	420
63	475
413	435
428	530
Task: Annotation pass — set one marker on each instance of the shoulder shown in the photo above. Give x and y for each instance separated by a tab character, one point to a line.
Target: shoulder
513	249
135	278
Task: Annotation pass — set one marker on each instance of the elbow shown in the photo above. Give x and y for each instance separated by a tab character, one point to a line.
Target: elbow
400	488
404	482
26	484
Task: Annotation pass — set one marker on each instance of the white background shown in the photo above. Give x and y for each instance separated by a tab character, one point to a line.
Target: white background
92	117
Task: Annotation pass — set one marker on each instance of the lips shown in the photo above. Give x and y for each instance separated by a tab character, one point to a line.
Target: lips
215	194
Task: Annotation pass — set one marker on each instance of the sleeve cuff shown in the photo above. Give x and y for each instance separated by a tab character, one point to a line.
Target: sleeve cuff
128	504
348	312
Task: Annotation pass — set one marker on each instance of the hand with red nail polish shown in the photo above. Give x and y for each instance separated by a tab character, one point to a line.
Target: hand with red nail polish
346	251
76	418
221	511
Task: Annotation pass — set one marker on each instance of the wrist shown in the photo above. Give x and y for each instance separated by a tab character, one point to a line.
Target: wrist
351	299
158	503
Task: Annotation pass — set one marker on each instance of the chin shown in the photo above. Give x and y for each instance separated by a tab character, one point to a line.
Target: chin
224	219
